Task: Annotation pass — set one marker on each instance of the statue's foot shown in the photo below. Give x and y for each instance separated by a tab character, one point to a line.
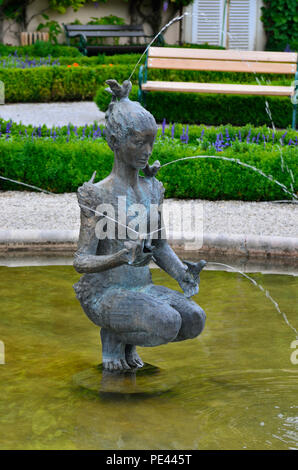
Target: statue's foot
113	352
132	357
114	364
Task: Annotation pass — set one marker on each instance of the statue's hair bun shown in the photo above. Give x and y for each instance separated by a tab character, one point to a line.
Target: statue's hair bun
124	115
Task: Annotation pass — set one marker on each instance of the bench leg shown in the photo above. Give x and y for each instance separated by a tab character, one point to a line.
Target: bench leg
144	99
140	91
140	95
83	44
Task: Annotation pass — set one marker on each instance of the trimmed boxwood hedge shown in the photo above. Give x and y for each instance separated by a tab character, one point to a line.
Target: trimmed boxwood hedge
40	49
62	83
44	48
54	83
63	166
194	108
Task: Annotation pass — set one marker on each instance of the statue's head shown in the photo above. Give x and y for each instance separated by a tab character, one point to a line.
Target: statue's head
130	128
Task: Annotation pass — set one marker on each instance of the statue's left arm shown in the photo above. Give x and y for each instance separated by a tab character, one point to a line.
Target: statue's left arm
185	273
165	257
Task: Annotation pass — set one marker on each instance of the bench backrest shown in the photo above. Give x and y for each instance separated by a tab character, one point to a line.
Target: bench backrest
103	30
222	60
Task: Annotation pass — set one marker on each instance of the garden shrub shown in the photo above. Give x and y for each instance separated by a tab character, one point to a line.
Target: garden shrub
280	18
81	82
61	166
195	108
46	48
56	83
40	49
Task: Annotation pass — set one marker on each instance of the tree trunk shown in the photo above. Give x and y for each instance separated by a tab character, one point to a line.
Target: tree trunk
156	17
1	31
180	26
2	16
150	12
133	15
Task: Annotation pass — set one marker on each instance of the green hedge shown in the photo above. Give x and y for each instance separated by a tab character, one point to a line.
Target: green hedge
44	49
40	49
62	83
62	167
280	18
210	109
42	84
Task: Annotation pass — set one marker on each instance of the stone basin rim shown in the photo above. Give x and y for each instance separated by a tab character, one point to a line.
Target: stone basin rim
213	243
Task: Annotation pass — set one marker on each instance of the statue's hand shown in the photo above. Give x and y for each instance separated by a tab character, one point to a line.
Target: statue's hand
188	285
190	280
139	252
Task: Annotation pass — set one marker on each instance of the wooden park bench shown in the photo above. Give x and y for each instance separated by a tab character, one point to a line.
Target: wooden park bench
85	32
224	61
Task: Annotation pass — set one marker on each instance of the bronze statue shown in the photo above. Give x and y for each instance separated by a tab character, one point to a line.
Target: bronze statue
116	291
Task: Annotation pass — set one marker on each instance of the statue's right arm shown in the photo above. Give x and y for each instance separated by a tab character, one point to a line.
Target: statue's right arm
86	260
87	263
84	263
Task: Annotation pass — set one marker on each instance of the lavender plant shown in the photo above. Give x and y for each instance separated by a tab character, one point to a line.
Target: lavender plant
202	137
16	61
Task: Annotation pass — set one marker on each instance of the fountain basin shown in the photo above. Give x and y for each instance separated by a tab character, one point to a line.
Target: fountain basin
234	387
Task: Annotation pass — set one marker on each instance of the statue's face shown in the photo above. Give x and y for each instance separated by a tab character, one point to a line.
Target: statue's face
137	148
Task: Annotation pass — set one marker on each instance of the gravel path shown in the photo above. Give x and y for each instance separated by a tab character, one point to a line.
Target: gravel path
58	114
37	212
29	210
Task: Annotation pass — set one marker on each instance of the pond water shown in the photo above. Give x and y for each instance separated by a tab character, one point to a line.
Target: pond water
234	387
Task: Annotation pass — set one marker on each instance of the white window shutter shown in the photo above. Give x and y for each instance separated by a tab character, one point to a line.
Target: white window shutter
207	21
242	21
208	24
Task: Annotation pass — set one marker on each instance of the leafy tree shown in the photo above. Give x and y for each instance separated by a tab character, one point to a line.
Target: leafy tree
62	5
16	10
12	10
280	18
150	11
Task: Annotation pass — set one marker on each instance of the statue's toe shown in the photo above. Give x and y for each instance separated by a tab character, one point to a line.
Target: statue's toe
117	364
124	364
135	361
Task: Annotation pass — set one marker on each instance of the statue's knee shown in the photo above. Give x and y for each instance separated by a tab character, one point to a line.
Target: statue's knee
199	321
194	319
169	326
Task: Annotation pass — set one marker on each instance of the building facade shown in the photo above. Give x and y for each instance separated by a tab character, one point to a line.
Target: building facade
234	24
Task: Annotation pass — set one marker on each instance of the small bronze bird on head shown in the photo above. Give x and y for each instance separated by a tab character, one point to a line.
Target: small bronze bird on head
119	91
